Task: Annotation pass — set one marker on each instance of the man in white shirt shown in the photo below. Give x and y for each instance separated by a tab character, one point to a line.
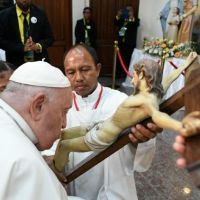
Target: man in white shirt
112	179
36	95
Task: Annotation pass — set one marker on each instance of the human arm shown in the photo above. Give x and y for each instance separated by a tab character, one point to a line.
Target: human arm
79	32
173	20
93	34
167	81
128	114
76	143
190	12
99	137
195	4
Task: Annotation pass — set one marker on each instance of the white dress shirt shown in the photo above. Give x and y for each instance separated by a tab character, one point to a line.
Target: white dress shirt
112	179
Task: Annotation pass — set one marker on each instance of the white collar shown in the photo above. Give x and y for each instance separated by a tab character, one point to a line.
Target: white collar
21	123
92	97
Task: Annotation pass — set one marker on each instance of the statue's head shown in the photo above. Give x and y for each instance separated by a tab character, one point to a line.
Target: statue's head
152	72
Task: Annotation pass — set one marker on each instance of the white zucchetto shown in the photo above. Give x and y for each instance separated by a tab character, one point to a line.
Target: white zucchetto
41	74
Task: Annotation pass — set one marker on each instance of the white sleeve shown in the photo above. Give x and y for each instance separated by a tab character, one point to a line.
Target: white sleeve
31	179
144	155
93	141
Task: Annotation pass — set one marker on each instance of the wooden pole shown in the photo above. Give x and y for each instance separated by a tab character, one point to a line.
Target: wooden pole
114	64
192	103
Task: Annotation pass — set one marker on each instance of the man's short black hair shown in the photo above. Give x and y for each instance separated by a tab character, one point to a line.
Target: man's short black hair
89	49
87	8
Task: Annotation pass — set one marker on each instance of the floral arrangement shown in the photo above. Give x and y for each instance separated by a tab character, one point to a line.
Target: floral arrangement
165	48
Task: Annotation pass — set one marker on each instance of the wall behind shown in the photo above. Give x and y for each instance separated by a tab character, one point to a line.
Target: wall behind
149	20
77	12
148	14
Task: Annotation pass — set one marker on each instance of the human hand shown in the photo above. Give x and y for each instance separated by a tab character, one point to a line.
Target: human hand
140	133
28	45
179	147
60	176
191	124
34	46
182	17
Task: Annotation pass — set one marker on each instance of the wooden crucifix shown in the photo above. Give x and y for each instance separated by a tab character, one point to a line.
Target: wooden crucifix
169	106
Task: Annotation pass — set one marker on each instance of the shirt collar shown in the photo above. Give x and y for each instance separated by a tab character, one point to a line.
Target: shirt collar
19	121
92	97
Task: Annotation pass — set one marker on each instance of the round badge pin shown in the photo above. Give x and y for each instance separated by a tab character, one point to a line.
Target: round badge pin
34	20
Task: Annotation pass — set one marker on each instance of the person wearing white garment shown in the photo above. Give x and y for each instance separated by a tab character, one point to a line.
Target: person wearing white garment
113	178
37	94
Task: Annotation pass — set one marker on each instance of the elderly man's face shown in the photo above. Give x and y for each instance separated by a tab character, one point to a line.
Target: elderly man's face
53	118
81	70
23	4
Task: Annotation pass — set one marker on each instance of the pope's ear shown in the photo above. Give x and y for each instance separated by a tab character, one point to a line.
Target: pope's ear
37	106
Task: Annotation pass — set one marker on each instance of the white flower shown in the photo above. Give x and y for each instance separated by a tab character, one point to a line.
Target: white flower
155	51
150	50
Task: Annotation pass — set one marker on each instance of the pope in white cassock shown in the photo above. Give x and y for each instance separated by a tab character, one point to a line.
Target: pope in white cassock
27	108
112	179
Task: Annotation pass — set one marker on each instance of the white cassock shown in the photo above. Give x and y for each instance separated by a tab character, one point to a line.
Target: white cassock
24	173
112	179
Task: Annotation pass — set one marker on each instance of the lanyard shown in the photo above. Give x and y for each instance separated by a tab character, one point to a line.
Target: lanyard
96	103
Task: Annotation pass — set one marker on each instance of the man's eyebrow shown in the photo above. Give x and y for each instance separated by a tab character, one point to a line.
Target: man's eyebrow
86	66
